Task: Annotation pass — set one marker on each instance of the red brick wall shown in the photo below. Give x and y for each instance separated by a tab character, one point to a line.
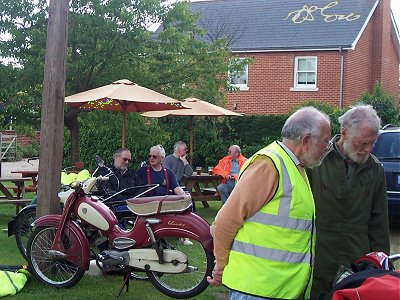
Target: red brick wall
271	77
22	139
373	59
359	67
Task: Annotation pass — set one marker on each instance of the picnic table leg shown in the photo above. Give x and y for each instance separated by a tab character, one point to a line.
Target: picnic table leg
20	194
198	192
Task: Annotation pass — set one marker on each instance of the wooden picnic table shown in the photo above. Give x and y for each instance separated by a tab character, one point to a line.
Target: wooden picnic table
17	199
198	185
28	174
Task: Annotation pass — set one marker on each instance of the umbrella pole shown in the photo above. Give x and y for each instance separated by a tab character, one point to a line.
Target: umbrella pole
191	139
123	128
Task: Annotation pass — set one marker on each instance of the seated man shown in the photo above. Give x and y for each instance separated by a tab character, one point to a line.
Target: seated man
228	168
177	161
156	173
124	177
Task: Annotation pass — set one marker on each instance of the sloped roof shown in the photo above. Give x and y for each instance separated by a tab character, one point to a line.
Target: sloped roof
268	25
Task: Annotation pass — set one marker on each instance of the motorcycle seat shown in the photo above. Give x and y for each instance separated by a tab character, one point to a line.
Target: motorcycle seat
147	206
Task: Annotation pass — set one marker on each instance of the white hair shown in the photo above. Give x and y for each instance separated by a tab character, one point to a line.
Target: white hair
306	120
178	144
359	116
160	149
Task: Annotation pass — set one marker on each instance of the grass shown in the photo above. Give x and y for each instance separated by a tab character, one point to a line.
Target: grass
106	287
95	287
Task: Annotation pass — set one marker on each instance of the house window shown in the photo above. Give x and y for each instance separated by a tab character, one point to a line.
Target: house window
239	76
305	72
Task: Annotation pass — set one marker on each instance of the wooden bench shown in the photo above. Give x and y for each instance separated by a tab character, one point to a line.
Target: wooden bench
209	191
28	189
17	202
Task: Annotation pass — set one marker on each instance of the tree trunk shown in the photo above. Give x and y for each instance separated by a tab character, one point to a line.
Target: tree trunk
52	129
71	121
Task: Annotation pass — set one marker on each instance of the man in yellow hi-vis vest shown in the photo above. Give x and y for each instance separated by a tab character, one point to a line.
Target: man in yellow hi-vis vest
264	235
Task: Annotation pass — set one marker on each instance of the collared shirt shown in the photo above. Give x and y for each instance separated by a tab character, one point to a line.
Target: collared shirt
234	167
290	153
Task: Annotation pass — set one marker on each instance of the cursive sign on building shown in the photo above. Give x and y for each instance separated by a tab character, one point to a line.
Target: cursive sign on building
307	13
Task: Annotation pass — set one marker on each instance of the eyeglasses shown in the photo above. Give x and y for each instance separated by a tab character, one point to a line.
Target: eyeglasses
328	144
126	159
153	156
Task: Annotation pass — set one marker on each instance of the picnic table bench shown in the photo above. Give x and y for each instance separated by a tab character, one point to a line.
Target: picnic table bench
19	198
202	187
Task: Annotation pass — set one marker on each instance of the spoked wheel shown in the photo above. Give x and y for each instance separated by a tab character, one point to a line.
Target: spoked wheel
23	228
193	280
53	268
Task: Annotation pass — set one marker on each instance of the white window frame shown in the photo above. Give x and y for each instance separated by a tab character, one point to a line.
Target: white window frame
304	87
241	86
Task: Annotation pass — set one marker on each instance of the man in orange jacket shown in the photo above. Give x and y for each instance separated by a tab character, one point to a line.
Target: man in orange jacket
228	168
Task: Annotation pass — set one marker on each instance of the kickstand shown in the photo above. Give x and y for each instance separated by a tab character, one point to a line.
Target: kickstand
126	281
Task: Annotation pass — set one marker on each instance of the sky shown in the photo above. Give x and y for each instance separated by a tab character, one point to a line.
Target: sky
396	12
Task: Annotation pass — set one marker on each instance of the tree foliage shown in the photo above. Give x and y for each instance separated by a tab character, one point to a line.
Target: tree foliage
383	103
107	41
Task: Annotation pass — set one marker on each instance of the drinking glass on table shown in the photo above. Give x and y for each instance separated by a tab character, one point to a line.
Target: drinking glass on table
198	170
210	170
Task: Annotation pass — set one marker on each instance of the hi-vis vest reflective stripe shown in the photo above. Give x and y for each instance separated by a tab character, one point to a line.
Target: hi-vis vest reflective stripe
272	253
12	282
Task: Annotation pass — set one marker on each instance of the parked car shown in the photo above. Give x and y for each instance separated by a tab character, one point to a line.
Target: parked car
387	150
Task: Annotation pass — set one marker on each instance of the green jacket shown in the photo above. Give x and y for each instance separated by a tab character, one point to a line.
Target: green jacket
351	221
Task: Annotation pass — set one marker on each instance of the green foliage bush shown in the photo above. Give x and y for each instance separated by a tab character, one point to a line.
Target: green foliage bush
383	104
28	150
101	131
333	112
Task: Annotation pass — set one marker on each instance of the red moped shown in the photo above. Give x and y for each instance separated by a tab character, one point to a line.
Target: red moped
59	252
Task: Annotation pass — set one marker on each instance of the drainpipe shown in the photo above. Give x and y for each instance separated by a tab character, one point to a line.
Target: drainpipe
341	78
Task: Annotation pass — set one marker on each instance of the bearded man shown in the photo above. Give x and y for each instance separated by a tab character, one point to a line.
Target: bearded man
350	196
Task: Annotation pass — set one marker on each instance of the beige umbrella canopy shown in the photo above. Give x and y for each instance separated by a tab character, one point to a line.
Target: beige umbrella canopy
197	108
125	96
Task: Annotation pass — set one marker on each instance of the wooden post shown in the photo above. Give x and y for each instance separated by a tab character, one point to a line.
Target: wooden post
191	139
123	129
52	118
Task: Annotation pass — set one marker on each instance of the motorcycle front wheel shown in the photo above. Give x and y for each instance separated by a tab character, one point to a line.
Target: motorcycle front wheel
55	271
193	280
23	228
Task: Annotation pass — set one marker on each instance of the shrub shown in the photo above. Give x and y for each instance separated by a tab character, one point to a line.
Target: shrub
383	104
28	150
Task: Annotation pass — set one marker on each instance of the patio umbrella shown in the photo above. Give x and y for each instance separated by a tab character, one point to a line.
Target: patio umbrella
125	96
197	108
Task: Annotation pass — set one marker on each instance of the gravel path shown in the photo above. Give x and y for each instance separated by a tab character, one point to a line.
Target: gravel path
23	165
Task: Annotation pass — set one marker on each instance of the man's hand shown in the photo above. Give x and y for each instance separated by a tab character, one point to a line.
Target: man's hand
216	278
183	159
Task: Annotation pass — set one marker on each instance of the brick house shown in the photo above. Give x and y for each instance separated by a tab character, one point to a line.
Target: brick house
329	50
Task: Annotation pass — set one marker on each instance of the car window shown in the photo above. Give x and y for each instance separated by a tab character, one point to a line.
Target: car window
387	146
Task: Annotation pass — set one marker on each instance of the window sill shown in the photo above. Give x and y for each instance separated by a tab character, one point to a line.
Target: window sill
301	89
240	88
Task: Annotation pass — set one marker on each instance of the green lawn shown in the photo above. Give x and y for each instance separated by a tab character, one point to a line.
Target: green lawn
103	287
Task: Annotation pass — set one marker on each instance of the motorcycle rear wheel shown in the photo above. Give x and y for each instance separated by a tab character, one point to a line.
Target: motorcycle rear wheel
60	273
193	280
23	228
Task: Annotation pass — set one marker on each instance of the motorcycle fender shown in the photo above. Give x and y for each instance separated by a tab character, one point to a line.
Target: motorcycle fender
147	259
54	220
188	225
